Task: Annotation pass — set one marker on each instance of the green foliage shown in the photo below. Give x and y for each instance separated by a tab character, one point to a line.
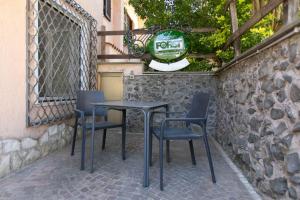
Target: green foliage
199	65
207	13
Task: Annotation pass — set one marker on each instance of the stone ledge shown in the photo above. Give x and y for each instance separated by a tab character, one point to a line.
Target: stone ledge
15	154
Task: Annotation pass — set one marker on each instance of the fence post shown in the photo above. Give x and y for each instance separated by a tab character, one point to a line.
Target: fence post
235	26
290	11
102	42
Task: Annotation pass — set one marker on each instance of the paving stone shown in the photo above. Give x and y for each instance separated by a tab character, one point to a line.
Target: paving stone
58	176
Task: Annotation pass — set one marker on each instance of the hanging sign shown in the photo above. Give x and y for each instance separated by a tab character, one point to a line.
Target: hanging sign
169	47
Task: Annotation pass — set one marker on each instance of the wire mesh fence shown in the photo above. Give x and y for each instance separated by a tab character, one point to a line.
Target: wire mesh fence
61	58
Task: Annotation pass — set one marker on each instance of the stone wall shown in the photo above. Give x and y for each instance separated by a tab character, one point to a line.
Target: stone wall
15	154
175	88
259	118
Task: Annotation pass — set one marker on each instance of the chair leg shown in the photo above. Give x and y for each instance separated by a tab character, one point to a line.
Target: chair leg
192	152
74	136
150	148
168	151
161	162
83	147
103	139
205	139
123	134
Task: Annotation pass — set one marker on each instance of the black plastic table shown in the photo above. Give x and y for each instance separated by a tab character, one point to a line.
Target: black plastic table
147	108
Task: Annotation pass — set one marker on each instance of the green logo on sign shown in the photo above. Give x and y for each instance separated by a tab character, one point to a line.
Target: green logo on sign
168	45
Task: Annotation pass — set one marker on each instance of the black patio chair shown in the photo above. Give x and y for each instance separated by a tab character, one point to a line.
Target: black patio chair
196	115
83	110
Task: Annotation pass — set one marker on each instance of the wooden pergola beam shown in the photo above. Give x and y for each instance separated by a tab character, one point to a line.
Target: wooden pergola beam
144	31
148	56
271	5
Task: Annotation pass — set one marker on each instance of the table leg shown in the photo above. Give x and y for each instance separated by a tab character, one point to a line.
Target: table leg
167	141
92	141
147	114
123	134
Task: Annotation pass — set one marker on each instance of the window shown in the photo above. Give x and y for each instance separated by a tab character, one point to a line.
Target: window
107	9
59	52
61	58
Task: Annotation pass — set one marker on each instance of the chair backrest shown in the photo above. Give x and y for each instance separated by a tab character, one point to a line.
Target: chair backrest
84	100
199	107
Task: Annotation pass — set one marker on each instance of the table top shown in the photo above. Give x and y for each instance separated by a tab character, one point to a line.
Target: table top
131	104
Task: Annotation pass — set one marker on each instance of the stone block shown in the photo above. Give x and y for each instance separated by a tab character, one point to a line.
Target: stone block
268	167
281	95
16	161
32	155
28	143
292	193
264	71
295	93
296	127
11	145
44	139
279	185
295	179
269	102
293	52
287	77
267	86
293	163
282	66
279	83
53	130
4	165
276	113
280	128
255	124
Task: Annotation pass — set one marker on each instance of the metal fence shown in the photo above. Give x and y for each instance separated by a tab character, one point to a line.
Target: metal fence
61	58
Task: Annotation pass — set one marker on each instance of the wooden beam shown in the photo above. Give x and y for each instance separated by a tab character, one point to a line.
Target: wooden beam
110	56
144	31
235	26
271	5
148	56
102	41
227	4
290	11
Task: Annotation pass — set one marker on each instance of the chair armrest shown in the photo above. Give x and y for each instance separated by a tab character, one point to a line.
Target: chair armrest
191	120
80	113
164	112
186	119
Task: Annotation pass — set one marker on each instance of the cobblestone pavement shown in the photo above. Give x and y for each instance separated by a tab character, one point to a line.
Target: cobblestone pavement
57	176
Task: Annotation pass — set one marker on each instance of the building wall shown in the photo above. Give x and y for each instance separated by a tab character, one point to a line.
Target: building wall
20	145
177	89
259	118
